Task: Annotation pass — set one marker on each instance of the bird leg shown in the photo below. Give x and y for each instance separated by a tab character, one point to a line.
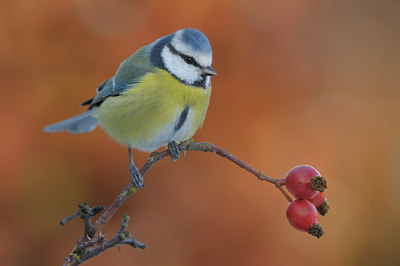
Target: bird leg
136	176
174	150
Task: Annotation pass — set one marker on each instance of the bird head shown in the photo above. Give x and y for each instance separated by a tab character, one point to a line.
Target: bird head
185	54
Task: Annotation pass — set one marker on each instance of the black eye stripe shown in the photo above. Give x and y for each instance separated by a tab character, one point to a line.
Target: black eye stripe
188	59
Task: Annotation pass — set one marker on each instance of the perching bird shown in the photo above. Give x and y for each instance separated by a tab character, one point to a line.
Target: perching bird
158	96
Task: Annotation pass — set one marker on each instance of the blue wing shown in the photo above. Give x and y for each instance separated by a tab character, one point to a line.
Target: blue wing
128	74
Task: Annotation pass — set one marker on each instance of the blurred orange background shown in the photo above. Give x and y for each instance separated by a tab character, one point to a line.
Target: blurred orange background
306	82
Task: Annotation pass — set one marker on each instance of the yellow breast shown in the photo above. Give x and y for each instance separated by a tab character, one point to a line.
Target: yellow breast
154	111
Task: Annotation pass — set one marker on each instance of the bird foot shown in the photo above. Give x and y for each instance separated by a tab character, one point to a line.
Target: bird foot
136	176
173	148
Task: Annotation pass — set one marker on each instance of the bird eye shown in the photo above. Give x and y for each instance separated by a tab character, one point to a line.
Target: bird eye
189	59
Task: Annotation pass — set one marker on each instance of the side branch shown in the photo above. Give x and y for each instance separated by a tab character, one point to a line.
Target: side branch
123	237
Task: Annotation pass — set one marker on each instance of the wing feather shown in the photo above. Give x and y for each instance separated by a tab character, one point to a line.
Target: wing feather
128	74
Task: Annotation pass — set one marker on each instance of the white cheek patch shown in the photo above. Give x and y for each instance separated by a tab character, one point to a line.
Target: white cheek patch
208	82
178	67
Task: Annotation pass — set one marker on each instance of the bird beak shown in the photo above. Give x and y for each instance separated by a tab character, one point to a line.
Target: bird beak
209	71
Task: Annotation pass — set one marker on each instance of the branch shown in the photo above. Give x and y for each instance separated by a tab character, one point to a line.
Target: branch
155	157
184	146
80	253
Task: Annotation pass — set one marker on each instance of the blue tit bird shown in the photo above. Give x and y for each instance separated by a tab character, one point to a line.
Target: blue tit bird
158	96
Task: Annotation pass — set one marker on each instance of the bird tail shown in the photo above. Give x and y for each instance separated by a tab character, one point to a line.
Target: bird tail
81	123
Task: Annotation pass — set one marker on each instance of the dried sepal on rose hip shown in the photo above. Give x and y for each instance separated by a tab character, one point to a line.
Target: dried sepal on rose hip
320	202
304	181
303	216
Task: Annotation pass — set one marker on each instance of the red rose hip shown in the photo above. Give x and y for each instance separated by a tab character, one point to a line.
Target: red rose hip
320	202
303	216
304	181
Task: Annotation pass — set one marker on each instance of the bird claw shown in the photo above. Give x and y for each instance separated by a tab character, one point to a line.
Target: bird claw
174	151
136	176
